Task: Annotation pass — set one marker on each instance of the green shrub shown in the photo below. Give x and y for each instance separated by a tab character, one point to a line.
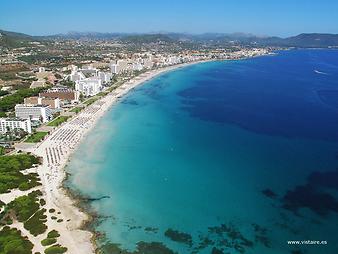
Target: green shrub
42	202
53	234
36	137
24	207
12	242
48	241
36	224
55	249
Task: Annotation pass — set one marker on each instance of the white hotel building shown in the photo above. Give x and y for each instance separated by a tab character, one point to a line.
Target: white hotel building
34	112
10	124
89	86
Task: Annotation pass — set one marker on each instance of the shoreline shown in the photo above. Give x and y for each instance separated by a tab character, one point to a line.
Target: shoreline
57	150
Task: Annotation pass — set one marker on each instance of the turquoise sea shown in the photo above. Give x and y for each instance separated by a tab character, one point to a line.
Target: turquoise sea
219	157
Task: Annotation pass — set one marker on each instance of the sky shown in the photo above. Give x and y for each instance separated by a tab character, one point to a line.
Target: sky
261	17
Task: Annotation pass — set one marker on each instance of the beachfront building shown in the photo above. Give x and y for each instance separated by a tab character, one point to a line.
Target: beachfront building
89	86
41	113
64	94
104	76
119	66
11	124
114	68
53	103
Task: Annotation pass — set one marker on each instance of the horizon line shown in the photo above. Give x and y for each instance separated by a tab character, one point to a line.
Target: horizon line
167	32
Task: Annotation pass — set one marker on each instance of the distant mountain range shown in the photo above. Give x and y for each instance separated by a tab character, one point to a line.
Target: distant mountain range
308	40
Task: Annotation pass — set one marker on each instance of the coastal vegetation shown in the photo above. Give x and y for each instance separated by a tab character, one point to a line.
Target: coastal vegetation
27	210
11	176
59	120
48	241
8	102
53	234
36	224
36	137
51	238
55	249
12	242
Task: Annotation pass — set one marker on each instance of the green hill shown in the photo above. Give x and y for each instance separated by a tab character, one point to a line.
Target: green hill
313	40
14	40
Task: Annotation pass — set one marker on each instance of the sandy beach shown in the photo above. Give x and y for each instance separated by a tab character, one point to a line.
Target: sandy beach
56	150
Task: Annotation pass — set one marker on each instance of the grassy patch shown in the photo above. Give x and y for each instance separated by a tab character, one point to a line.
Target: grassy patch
100	94
36	137
11	241
10	175
91	101
76	109
59	120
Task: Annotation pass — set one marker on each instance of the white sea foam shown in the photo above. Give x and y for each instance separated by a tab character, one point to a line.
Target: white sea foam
320	72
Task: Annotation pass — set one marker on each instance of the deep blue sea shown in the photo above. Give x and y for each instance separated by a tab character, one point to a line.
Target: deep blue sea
219	157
